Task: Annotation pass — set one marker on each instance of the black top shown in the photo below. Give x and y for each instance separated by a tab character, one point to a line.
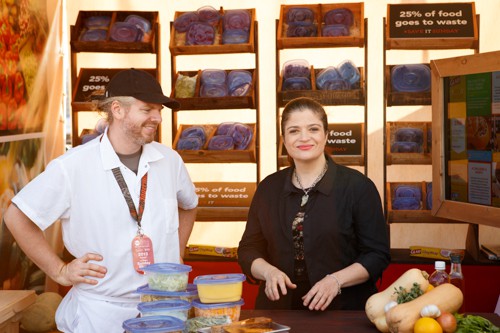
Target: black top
343	224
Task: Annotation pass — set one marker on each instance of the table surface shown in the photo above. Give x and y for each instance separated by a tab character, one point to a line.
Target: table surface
328	321
13	302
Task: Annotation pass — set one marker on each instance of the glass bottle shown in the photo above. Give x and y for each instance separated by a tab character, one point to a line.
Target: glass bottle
456	276
439	276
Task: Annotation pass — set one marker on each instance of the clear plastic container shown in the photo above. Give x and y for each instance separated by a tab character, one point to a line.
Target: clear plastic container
213	76
217	288
239	82
296	68
213	90
329	78
297	83
151	295
411	78
439	276
156	324
231	309
173	307
167	276
349	72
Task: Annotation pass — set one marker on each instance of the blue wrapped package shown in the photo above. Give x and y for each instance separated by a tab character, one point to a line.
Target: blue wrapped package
350	73
405	204
184	21
339	16
406	147
213	76
200	33
239	82
409	134
297	83
208	14
408	191
235	36
242	135
140	22
221	142
94	35
125	32
411	78
97	22
329	78
190	143
300	30
296	68
213	90
236	19
335	30
300	16
195	132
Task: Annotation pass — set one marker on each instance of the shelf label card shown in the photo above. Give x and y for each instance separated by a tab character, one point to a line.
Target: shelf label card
448	20
214	194
344	139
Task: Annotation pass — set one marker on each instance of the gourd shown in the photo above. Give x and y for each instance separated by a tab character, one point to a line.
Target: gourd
402	317
374	306
40	316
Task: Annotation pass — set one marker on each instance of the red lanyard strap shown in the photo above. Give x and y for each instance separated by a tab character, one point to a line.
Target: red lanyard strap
128	198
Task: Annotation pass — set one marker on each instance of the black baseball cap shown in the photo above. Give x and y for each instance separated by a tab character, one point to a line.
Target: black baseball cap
141	85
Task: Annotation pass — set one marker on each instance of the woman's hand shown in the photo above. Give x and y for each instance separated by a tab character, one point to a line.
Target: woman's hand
277	281
78	270
321	294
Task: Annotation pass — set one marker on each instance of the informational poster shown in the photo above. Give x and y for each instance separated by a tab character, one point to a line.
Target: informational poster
479	183
344	139
224	194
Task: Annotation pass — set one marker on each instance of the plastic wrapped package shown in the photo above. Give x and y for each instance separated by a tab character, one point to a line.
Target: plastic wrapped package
185	86
213	90
342	16
208	14
350	73
97	22
296	68
200	33
221	142
237	19
94	35
411	78
242	135
409	134
299	30
125	32
406	147
184	21
297	83
239	82
235	36
194	132
335	30
300	16
213	76
406	204
140	22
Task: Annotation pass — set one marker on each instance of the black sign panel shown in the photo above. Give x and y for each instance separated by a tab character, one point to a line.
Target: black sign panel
431	20
344	139
92	82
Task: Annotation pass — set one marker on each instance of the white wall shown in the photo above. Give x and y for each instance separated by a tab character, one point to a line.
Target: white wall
267	12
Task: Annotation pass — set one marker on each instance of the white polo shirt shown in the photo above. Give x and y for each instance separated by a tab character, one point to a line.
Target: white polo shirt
79	189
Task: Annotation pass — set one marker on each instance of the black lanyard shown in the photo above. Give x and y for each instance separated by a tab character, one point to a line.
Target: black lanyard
126	194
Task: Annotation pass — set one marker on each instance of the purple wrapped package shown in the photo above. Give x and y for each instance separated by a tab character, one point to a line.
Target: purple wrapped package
224	128
94	35
189	143
235	36
184	21
300	16
411	78
221	142
335	30
408	191
239	82
297	83
406	147
242	135
200	34
97	22
140	22
208	14
125	32
195	132
213	76
299	30
237	19
213	90
405	203
339	16
409	134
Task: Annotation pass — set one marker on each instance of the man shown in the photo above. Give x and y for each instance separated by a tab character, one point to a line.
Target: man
123	201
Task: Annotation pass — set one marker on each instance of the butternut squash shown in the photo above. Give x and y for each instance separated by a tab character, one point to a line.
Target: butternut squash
402	317
374	306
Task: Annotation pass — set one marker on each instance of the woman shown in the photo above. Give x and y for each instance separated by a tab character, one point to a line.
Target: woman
316	237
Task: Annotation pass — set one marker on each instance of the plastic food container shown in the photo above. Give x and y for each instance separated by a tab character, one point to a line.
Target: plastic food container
230	309
177	308
151	295
167	276
156	324
296	68
218	288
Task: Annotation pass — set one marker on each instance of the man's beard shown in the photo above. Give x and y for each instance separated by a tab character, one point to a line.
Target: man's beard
134	132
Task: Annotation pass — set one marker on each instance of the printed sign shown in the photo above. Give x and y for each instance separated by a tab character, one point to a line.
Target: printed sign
344	139
431	20
225	194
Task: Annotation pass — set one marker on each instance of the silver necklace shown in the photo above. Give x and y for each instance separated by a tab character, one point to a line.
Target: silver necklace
305	197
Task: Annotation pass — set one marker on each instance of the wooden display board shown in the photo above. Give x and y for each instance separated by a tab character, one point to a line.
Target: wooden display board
466	108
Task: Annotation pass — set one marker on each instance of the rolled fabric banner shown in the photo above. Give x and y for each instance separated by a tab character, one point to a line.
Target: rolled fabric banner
300	16
297	83
408	191
97	22
235	36
213	76
335	30
184	21
406	204
237	19
300	30
406	147
195	132
221	142
125	32
200	34
411	78
242	135
339	16
140	22
189	143
94	35
208	14
410	134
350	73
213	90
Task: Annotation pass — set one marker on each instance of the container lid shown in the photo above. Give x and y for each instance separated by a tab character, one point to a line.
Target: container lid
139	21
440	265
219	279
297	83
167	268
153	324
168	304
190	291
215	76
198	304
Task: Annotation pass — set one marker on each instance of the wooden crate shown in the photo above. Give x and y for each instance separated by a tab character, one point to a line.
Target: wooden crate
355	39
325	97
216	156
109	45
404	98
423	157
177	44
226	102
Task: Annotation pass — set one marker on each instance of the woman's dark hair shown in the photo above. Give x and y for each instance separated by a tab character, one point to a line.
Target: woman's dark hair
303	104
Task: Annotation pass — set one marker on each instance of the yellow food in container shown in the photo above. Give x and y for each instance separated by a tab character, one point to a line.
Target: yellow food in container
219	288
231	309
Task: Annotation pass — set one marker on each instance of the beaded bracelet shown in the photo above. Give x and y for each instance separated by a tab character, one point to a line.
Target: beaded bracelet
338	283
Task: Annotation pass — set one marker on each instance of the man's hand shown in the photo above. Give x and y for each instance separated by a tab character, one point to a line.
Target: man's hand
80	269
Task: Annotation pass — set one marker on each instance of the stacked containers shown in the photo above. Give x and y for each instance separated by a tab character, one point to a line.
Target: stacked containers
167	292
220	294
